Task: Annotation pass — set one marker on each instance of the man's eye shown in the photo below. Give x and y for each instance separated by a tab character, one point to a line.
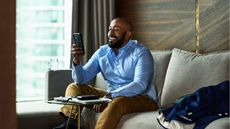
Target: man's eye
114	29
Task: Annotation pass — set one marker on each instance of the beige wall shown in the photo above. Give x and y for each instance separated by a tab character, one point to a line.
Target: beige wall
165	24
7	65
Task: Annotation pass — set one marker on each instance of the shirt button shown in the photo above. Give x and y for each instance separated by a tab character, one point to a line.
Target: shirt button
219	114
190	113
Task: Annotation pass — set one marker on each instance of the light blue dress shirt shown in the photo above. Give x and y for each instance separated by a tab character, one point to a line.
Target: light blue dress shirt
129	73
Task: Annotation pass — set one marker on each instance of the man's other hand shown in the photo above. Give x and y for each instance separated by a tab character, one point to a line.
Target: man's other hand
99	107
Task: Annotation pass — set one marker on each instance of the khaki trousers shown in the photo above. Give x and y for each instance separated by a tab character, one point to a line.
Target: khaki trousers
119	106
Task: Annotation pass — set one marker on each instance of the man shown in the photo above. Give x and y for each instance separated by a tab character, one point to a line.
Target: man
126	65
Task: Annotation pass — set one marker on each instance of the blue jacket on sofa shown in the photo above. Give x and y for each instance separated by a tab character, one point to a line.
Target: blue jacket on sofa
202	107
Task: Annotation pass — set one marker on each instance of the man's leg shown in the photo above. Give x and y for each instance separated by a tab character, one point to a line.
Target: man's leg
73	90
120	106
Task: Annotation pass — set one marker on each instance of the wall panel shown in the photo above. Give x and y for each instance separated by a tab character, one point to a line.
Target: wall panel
165	24
214	25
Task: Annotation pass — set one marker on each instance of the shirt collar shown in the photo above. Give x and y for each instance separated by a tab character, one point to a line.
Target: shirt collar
124	49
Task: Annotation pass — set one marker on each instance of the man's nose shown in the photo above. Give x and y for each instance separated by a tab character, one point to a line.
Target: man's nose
110	33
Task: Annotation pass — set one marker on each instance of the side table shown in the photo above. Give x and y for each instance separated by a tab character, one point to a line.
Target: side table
76	102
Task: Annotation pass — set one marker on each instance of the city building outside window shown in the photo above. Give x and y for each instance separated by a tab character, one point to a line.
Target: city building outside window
43	39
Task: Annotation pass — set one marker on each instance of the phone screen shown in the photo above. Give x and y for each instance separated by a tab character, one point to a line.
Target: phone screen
77	39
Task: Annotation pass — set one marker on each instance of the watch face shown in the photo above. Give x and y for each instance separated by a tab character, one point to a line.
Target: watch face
109	96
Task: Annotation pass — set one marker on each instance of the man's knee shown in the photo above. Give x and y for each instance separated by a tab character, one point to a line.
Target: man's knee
81	89
118	104
72	90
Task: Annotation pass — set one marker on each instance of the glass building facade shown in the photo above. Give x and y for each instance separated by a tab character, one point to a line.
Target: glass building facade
43	35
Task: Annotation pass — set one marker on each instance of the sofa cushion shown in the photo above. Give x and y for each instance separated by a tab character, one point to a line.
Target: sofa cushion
100	82
222	123
188	71
161	60
144	120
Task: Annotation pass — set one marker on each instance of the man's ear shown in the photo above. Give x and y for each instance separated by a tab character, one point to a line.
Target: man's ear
129	34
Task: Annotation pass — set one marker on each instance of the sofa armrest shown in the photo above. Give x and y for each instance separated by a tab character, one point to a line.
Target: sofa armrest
56	83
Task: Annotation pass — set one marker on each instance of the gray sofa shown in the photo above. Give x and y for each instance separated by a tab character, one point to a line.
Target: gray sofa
176	73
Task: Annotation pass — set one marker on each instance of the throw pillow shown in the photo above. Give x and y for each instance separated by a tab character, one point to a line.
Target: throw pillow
188	71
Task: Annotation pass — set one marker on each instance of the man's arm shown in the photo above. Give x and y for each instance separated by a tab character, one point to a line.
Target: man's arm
82	74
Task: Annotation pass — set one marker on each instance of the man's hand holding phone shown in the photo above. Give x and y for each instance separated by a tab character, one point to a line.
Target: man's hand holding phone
77	48
77	54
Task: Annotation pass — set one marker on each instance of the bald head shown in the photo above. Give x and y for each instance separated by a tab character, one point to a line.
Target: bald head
125	22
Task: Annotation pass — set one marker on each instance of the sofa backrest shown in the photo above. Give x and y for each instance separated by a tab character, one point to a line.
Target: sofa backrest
161	60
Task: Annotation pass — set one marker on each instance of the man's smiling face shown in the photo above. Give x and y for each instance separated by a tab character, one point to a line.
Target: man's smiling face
118	34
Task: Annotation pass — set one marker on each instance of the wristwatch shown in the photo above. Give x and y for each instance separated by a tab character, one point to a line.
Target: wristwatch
109	96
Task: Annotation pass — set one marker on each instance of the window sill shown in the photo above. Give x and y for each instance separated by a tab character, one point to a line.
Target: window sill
36	108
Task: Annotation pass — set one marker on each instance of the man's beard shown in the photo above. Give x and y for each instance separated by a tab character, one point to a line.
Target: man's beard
118	43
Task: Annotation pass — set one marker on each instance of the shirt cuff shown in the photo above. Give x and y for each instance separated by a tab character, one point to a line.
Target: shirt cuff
76	67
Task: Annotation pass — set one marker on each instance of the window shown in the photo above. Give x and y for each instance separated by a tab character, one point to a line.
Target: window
43	33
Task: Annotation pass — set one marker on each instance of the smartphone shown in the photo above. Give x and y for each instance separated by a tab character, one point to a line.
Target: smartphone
87	97
77	39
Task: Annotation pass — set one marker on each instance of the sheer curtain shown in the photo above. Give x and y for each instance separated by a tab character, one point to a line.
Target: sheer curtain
92	19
